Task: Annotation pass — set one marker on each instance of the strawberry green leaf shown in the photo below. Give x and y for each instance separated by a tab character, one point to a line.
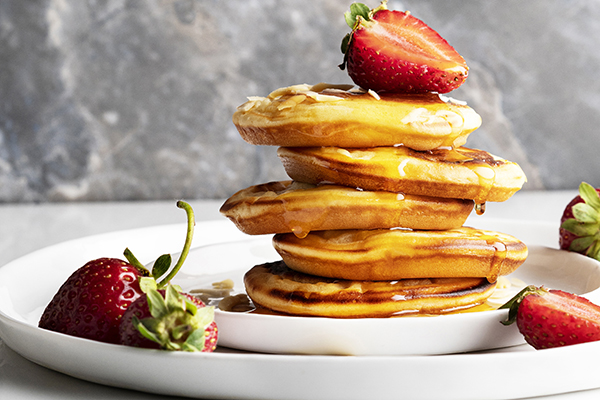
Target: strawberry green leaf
356	10
195	341
161	266
594	250
579	245
345	43
147	284
205	316
173	299
583	212
157	304
147	333
190	307
580	229
589	194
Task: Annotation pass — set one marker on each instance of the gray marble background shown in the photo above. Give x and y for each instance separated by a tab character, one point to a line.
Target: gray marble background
132	99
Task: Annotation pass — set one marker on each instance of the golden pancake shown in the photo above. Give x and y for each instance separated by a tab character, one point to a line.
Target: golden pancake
280	207
334	115
458	173
391	254
276	287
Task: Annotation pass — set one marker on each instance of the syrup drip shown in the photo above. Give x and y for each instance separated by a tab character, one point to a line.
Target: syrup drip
480	208
300	231
449	141
485	173
487	177
300	221
500	254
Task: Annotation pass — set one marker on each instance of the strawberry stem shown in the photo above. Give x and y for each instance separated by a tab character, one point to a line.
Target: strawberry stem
135	262
188	243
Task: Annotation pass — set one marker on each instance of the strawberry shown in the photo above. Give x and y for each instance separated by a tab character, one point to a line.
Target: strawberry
553	318
92	301
169	320
392	51
580	223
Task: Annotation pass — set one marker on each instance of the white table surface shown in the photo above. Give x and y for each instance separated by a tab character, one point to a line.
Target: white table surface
25	228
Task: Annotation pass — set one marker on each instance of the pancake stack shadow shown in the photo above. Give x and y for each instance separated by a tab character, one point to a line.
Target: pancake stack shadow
370	223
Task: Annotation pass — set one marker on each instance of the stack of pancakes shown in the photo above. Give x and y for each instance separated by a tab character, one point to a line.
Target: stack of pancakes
371	222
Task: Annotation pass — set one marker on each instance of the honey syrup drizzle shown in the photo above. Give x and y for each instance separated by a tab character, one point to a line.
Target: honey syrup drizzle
449	141
500	254
480	163
300	221
487	177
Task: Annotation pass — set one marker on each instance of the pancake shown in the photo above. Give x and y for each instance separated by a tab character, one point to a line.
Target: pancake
335	115
391	254
450	173
276	287
280	207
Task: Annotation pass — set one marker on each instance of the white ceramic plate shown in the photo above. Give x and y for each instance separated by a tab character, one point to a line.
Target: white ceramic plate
457	333
399	336
27	284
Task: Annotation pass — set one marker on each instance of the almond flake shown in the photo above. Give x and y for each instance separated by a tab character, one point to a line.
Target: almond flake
374	94
291	102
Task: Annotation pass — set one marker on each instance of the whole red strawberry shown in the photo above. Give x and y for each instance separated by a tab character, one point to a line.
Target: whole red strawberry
392	51
580	223
553	318
169	320
92	301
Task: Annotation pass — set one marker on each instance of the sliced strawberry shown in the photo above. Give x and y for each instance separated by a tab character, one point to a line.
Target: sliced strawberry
553	318
580	223
392	51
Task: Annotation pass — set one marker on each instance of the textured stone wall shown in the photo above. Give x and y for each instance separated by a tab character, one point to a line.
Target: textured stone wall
132	99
